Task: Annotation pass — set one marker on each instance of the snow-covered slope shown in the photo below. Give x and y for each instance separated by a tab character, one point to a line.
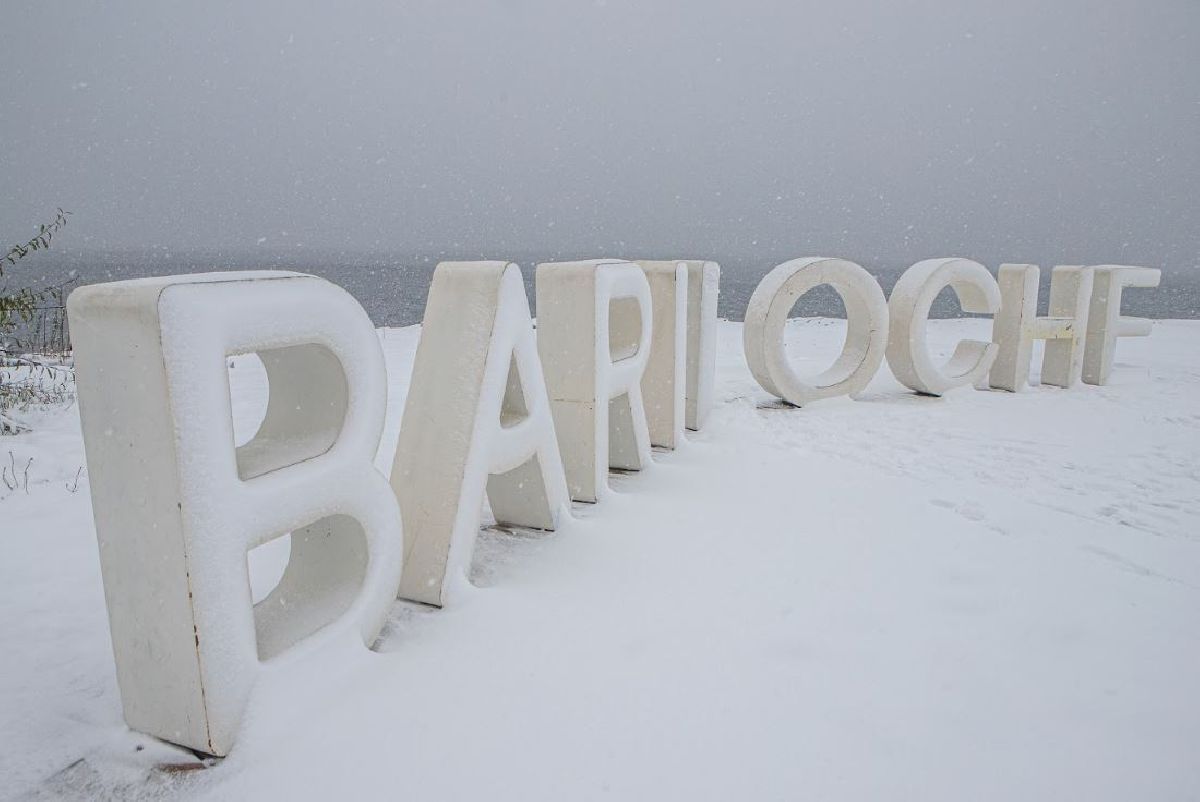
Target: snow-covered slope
984	596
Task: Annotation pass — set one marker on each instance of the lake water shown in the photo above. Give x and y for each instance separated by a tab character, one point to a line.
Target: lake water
393	289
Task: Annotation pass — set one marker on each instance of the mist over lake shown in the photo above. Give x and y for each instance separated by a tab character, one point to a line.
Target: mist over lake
386	136
393	288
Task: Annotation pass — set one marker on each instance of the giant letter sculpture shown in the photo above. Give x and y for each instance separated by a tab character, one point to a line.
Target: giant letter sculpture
866	329
594	321
1105	322
677	387
907	353
704	284
476	413
1017	325
177	507
664	384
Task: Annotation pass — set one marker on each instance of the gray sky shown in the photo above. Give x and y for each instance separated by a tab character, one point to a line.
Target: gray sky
1027	131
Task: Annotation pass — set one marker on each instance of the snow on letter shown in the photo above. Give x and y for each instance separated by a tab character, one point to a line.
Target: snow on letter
907	354
1105	322
594	321
476	416
177	506
866	329
1017	325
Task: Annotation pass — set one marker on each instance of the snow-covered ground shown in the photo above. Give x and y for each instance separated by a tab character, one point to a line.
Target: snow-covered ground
984	596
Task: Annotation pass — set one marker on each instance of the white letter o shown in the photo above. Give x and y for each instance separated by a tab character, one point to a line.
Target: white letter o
866	329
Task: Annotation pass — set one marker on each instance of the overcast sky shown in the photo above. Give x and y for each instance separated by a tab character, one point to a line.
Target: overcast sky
1050	131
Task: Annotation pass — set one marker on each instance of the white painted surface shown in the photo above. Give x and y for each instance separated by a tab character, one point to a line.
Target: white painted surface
1016	326
477	417
177	507
866	333
664	383
704	286
1105	321
908	307
594	325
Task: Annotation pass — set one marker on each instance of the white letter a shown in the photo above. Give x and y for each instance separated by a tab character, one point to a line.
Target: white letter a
477	416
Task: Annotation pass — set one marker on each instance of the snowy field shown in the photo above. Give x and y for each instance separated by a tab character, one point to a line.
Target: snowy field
985	596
